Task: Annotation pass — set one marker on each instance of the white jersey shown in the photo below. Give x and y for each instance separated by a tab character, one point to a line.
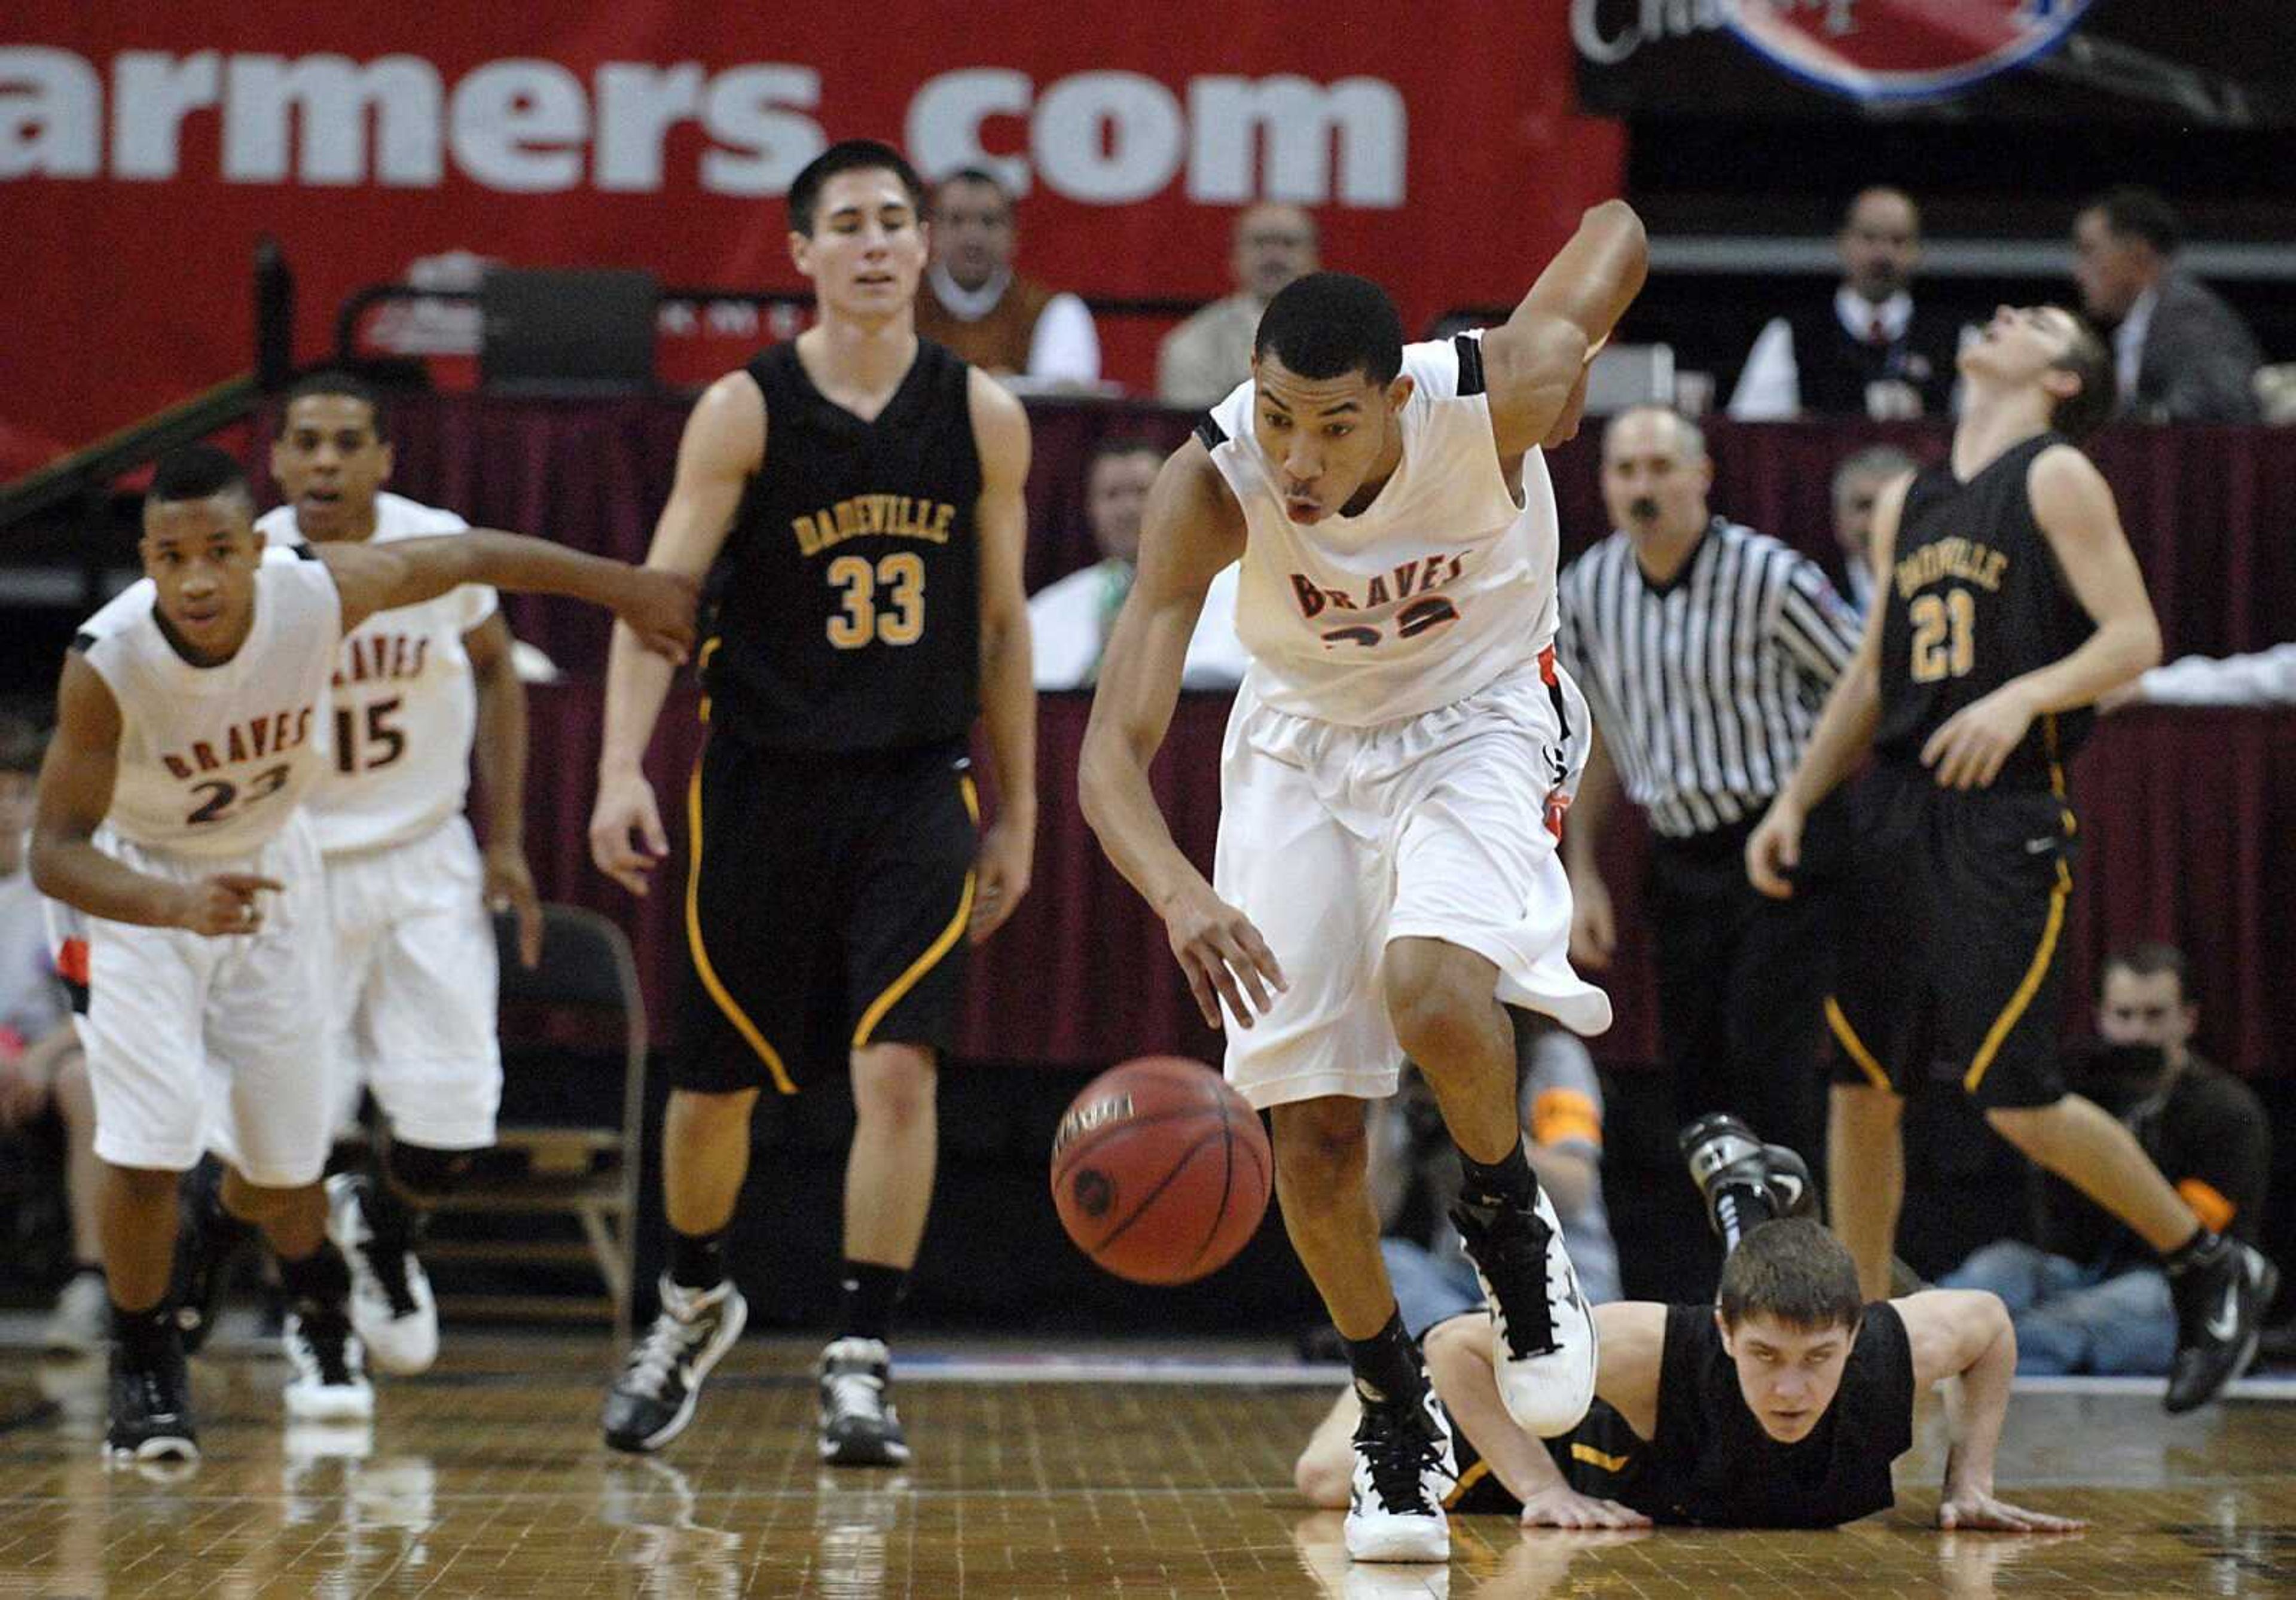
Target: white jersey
405	708
213	760
1439	586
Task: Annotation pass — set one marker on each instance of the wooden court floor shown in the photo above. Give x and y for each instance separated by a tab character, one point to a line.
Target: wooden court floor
485	1478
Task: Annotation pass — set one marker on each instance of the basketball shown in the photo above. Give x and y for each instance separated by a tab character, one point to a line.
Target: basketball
1160	1171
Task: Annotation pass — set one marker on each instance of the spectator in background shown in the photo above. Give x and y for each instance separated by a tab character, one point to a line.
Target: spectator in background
2091	1298
1068	620
1210	353
2182	355
1856	483
2266	678
1872	352
41	1068
1705	651
973	303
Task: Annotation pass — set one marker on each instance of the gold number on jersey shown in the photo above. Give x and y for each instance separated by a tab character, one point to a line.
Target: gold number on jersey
1944	635
859	620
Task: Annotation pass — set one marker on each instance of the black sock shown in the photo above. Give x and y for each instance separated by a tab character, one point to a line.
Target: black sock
697	1260
870	1291
2197	1250
1507	1183
1386	1366
143	1336
396	1225
321	1280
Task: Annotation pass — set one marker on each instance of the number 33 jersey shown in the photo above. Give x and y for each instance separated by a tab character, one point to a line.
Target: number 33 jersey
1441	585
405	707
212	760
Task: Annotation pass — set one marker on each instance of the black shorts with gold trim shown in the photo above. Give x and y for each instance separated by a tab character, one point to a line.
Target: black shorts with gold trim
1954	961
1602	1457
825	903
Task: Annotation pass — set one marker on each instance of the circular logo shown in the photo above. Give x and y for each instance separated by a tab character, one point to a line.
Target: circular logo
1093	1193
1876	50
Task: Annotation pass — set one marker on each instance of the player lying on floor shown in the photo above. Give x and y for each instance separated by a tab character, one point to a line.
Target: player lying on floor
1782	1405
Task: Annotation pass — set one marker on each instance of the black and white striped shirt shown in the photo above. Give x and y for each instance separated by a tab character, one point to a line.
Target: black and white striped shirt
1705	689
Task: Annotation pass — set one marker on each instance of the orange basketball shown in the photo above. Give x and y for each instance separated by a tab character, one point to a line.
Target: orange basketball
1160	1171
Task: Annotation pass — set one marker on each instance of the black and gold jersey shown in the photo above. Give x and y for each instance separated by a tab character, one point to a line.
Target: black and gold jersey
845	613
1974	599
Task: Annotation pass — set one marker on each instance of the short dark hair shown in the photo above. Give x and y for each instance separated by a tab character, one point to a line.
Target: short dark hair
196	472
342	385
974	175
2148	958
2078	416
2133	211
22	746
1330	323
1123	444
1794	1270
848	155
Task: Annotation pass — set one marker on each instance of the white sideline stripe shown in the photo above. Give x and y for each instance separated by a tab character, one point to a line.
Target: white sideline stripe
2275	1387
1115	1369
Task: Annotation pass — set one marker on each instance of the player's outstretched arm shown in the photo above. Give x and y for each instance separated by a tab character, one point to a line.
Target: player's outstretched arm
1192	528
379	578
74	793
722	448
1845	728
1008	689
2074	506
1535	363
1966	1335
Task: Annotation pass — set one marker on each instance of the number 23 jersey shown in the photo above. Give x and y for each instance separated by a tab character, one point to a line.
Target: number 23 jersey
212	760
405	708
1439	586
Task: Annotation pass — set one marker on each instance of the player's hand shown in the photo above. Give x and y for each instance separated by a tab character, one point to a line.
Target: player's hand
1001	876
1594	923
510	887
1775	849
1563	1507
1222	954
627	842
1972	1509
659	607
1969	750
224	904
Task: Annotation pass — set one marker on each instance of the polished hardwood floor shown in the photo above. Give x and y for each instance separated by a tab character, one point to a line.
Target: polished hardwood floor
1119	1477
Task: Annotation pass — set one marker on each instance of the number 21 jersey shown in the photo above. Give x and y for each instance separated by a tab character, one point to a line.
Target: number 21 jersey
212	760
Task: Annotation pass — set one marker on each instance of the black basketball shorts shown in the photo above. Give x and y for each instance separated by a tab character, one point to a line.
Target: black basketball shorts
827	899
1952	964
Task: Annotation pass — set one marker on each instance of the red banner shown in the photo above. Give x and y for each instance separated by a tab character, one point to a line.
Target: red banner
145	149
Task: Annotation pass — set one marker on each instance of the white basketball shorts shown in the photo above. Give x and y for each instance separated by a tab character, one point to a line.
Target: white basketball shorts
1336	839
416	982
196	1043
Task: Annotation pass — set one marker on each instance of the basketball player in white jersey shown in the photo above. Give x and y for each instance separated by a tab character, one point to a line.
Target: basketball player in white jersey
420	694
193	718
1391	788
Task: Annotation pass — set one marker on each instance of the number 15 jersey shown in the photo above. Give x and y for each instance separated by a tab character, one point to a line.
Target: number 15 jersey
405	708
1443	584
212	760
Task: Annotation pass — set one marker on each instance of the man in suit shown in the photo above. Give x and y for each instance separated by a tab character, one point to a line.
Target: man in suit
2183	355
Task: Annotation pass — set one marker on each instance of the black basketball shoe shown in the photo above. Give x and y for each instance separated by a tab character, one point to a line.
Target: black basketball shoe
1404	1469
653	1398
150	1408
2221	1295
859	1424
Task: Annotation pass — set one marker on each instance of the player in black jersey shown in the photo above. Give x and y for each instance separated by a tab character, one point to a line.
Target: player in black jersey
864	489
1781	1404
2008	602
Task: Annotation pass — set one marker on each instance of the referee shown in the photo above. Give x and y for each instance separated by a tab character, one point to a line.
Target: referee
1706	650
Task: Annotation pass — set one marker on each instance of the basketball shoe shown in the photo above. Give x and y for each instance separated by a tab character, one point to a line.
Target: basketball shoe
653	1398
150	1417
1542	1329
330	1384
859	1424
1744	1182
390	1304
2221	1294
1404	1466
